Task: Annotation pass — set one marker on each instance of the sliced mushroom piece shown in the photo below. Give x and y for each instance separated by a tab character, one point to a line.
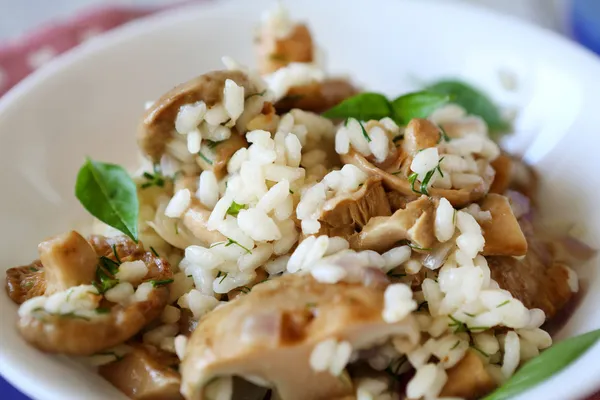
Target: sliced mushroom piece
222	153
317	96
420	134
270	333
457	197
504	169
158	125
26	282
73	334
502	233
539	280
267	120
274	53
356	209
68	260
195	220
413	223
468	379
146	373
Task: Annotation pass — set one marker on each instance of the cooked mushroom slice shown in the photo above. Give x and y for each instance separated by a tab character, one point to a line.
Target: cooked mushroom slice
68	260
317	96
269	335
195	219
413	223
503	166
539	280
468	379
512	173
158	125
458	197
276	52
79	321
146	373
220	153
267	120
420	134
502	233
26	282
356	209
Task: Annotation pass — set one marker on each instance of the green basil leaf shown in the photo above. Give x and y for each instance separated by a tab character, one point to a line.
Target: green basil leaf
109	194
417	105
474	102
545	365
363	107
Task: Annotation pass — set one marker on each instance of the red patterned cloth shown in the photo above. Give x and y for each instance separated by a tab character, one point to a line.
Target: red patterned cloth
21	57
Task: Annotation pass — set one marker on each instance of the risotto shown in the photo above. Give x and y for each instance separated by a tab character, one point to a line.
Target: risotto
290	236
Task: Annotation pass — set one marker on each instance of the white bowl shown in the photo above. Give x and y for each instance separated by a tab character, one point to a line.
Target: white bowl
88	103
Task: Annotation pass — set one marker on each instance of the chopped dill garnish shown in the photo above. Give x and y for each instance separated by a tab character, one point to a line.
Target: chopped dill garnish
33	269
364	131
228	243
202	156
114	249
416	247
176	228
479	328
243	289
154	251
503	304
155	179
110	265
235	208
455	345
161	282
223	278
211	144
479	350
459	326
443	135
469	314
412	178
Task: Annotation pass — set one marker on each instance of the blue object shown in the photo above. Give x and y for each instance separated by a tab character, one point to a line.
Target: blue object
585	23
7	392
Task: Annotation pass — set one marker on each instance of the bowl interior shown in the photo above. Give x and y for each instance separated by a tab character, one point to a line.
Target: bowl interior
88	102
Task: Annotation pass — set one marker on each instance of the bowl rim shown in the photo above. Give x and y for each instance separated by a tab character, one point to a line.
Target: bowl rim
18	376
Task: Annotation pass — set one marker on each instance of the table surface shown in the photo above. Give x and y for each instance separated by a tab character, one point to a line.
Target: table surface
18	17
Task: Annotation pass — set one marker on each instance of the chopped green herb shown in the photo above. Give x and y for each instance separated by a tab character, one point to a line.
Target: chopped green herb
103	281
212	144
162	282
205	158
256	94
27	285
416	247
235	208
459	326
454	218
32	269
479	328
114	249
439	168
469	314
176	228
362	127
156	179
396	173
412	178
228	243
110	265
102	310
223	278
479	350
426	180
154	251
455	345
503	304
243	289
443	135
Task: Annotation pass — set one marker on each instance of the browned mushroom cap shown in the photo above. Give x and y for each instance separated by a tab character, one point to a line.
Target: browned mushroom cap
420	134
274	53
502	233
222	153
82	335
26	282
145	373
539	280
468	379
158	124
68	261
269	334
414	223
85	336
316	97
348	212
457	197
